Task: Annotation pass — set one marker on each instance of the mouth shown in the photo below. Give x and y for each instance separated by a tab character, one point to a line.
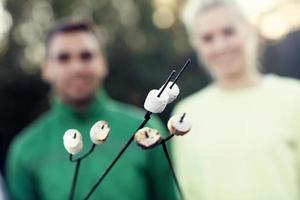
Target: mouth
80	83
225	59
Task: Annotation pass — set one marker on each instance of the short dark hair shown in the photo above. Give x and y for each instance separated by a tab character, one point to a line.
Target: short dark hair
70	26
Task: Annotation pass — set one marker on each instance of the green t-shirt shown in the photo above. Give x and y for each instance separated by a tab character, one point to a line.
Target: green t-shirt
38	166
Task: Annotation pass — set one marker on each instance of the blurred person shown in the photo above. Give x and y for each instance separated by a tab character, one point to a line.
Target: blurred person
38	166
244	144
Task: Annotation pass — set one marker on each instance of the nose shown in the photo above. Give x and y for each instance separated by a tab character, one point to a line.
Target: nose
220	44
77	66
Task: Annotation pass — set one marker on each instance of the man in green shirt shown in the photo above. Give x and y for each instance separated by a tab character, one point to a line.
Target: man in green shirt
38	166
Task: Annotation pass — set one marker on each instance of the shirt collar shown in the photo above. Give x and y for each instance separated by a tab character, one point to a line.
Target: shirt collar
97	106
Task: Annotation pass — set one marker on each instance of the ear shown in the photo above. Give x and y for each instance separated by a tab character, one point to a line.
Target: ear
46	72
103	69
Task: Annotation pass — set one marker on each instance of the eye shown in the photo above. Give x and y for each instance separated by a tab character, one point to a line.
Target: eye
63	57
228	31
86	56
206	38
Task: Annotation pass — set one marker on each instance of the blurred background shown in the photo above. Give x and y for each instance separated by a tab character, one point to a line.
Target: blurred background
144	40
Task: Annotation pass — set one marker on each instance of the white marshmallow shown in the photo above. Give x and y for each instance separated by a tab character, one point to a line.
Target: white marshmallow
172	92
73	141
179	128
156	104
99	132
147	137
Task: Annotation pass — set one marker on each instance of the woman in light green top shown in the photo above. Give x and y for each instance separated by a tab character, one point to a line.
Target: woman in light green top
245	140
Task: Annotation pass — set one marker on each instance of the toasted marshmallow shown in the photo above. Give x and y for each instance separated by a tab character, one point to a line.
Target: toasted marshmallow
147	137
99	132
73	141
156	104
178	127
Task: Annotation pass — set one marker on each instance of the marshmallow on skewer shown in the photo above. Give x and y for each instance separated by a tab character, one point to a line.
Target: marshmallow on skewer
73	141
179	125
156	104
147	137
172	92
99	132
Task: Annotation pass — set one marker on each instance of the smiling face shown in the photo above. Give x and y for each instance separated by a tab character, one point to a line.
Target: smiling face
221	42
75	67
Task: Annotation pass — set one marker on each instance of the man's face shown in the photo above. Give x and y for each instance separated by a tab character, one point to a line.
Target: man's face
75	66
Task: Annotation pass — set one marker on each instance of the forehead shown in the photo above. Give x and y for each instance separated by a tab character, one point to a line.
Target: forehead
73	41
216	18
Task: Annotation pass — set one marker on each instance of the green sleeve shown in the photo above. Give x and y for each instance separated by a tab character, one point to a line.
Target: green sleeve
161	183
20	181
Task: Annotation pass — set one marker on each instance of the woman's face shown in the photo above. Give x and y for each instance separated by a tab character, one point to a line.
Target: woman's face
221	42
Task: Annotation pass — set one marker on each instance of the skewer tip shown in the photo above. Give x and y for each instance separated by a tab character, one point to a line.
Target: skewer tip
182	117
